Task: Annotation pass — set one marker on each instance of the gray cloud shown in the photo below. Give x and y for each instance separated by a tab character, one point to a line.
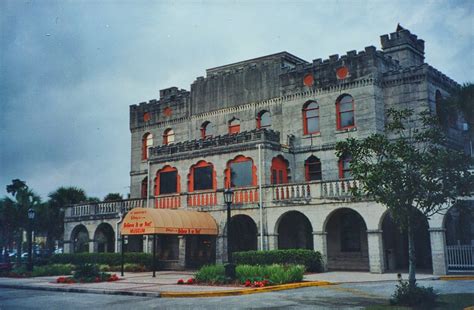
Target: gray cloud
69	70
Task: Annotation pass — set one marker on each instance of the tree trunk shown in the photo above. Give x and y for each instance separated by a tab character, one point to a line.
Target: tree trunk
19	248
411	255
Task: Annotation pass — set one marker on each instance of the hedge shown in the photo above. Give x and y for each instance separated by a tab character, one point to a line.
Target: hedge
111	259
312	260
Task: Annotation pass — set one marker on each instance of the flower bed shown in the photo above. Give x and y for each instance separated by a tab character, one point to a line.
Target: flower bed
103	277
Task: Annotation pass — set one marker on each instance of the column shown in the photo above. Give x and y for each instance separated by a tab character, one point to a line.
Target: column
92	246
376	259
221	250
438	250
67	247
273	241
182	252
320	245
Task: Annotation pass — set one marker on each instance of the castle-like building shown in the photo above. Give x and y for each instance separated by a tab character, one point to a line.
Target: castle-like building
267	128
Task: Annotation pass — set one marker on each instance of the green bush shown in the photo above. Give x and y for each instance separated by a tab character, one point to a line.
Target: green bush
312	260
85	271
52	270
276	274
212	274
419	296
111	259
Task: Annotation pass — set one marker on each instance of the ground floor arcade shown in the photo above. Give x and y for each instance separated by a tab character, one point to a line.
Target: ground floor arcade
349	235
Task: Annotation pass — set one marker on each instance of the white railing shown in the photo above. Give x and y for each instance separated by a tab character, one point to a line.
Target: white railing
283	192
460	258
338	189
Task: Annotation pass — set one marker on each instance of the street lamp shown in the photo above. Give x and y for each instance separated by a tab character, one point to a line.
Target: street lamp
229	267
31	217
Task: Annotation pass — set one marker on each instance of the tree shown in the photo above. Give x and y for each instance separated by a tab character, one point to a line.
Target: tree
8	222
25	199
113	197
52	217
409	170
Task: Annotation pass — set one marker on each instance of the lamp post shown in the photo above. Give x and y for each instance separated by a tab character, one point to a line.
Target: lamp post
31	217
229	267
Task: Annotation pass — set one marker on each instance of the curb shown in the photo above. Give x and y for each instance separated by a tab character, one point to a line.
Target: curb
454	278
246	291
80	290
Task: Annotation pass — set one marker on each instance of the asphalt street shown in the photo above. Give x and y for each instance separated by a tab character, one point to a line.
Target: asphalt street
346	296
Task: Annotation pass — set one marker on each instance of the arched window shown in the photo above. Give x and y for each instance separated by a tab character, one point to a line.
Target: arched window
264	120
167	181
208	130
240	172
202	176
344	167
147	142
345	112
168	136
312	167
144	189
234	126
279	170
311	117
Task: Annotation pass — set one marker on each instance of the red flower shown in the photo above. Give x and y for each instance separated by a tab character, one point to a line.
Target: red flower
180	281
247	283
61	280
190	281
97	279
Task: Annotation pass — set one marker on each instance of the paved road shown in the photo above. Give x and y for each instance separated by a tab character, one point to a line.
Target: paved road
347	296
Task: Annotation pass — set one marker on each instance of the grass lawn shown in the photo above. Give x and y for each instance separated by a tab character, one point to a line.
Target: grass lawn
447	301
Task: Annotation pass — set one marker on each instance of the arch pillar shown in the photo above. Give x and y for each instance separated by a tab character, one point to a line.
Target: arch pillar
273	241
375	245
67	247
182	251
221	249
92	246
438	250
320	244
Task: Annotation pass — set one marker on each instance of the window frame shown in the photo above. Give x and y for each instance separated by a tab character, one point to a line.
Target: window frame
338	113
204	130
166	169
312	161
228	171
259	119
234	128
307	118
148	136
345	159
279	170
167	135
191	180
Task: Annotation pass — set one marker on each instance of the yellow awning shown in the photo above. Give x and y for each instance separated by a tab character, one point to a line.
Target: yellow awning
147	221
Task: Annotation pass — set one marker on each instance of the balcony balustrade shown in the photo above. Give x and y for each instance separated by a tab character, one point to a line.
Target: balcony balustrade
291	193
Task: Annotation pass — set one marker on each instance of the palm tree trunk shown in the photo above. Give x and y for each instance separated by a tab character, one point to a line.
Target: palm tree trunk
19	248
411	255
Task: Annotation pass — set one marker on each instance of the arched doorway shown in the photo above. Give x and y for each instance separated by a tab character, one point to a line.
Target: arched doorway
104	238
347	241
243	233
80	239
459	225
295	231
395	244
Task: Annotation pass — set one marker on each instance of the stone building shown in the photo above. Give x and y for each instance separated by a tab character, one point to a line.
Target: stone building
267	127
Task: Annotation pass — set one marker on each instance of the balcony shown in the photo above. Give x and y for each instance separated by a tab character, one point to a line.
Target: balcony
279	195
216	145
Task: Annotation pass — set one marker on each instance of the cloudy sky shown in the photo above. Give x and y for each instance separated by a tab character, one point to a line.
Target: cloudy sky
70	69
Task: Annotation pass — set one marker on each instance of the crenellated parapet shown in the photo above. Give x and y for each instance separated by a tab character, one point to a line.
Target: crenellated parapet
173	104
404	47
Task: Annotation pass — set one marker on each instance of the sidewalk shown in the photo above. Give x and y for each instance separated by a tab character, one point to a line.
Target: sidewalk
164	284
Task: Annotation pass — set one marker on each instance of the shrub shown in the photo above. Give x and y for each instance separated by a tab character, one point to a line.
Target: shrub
52	270
212	274
275	274
133	268
111	259
86	271
312	260
424	297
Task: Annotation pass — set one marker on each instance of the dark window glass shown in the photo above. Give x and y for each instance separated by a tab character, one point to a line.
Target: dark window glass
345	166
274	177
203	178
312	118
346	112
241	173
168	182
314	169
350	233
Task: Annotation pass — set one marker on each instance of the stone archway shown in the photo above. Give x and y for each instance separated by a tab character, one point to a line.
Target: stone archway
347	241
104	238
243	233
395	244
459	223
80	239
295	231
